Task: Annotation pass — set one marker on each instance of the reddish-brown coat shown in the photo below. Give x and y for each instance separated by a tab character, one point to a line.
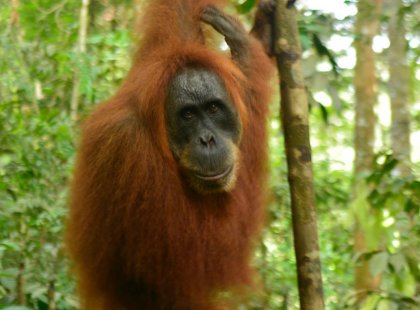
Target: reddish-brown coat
139	237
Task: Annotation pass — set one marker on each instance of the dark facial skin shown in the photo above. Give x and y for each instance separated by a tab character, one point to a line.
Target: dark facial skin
203	129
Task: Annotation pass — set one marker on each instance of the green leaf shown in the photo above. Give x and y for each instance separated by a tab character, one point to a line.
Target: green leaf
322	50
378	263
305	41
415	186
398	262
409	300
9	245
246	6
389	165
409	205
324	113
9	273
370	302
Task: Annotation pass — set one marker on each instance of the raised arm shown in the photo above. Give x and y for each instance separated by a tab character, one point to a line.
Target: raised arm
238	40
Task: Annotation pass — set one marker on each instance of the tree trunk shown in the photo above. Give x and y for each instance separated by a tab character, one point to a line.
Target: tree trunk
365	84
294	112
399	73
81	50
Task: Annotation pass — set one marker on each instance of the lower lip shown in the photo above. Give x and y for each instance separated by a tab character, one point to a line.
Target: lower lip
215	177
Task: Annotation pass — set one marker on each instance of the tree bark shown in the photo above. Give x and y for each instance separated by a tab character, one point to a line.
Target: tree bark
81	50
399	73
294	113
365	84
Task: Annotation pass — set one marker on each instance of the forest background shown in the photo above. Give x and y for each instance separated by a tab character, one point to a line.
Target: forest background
361	59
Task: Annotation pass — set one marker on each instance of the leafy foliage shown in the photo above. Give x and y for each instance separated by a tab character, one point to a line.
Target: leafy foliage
37	142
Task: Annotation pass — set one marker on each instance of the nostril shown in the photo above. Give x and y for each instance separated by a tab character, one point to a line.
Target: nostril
203	141
207	140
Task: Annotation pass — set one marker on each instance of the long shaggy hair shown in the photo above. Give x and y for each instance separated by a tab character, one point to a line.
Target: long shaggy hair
139	237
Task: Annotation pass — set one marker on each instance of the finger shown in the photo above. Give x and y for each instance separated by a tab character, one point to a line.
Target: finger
222	23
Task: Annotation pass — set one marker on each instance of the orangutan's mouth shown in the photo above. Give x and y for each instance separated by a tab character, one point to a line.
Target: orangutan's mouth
215	177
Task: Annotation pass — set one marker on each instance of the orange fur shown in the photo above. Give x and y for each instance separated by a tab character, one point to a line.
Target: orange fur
139	237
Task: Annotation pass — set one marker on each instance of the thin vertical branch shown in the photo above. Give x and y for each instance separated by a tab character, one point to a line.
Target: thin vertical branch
20	284
51	295
294	112
14	17
81	50
15	31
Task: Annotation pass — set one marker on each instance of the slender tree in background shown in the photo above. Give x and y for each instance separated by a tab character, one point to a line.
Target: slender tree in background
14	16
398	87
81	50
365	86
399	92
20	277
294	113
